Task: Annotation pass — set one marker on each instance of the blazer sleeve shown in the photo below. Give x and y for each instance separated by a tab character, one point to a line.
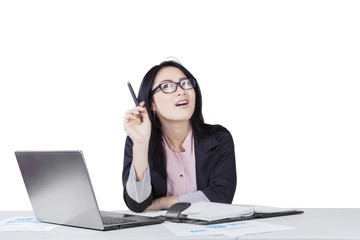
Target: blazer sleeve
221	178
131	203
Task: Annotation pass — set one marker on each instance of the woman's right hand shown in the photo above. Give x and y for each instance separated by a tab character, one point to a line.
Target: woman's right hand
138	131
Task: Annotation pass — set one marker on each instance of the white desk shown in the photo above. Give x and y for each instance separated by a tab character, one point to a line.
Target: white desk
313	224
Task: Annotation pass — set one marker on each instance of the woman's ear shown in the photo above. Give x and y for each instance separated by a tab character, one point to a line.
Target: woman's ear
152	107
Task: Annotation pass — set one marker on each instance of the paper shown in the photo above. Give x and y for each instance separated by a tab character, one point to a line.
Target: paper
24	223
266	209
186	230
233	229
209	211
237	229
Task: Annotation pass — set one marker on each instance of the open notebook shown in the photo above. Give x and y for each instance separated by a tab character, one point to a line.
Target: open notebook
212	213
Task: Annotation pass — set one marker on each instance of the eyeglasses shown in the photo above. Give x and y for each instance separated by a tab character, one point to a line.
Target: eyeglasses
170	87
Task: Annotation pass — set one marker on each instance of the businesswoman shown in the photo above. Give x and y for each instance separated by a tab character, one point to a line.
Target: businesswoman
171	154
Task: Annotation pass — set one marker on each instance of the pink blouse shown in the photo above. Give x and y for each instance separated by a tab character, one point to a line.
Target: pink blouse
180	167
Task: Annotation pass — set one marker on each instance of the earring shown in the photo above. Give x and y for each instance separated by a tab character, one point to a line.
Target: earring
154	114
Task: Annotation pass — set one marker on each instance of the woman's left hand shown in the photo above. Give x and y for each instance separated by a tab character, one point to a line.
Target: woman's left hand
163	203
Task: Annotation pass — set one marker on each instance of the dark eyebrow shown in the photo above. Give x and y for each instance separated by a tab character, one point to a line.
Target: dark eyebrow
168	80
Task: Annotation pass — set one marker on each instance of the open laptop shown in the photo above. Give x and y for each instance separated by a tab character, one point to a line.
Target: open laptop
60	191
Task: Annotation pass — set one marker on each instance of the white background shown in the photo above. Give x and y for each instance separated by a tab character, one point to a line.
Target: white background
282	76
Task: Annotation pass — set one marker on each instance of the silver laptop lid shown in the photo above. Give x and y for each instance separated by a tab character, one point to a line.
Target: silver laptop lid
59	187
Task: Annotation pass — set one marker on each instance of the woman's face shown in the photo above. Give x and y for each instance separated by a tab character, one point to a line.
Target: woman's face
176	106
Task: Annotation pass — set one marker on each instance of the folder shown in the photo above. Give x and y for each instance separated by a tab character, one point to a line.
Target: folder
205	213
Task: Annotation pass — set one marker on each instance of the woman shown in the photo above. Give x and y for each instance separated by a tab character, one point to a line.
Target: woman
171	155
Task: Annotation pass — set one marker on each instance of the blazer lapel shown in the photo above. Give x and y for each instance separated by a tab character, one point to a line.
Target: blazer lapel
205	155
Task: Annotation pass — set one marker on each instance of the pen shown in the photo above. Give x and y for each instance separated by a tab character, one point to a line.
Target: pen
135	99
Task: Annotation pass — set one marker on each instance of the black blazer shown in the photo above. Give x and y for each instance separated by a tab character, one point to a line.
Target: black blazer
215	168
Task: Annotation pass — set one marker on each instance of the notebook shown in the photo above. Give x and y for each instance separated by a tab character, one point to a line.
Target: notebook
212	213
60	192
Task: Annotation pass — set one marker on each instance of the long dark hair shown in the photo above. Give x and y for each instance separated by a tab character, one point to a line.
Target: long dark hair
145	94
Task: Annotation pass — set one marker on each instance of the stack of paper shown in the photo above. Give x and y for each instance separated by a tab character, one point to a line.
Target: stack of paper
210	211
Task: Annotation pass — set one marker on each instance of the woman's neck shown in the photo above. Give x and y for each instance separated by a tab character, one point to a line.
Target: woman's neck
177	133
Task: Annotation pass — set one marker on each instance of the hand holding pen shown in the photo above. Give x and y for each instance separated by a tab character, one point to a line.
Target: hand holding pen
135	99
136	121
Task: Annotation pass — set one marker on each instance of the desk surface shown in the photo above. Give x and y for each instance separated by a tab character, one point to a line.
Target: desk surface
325	223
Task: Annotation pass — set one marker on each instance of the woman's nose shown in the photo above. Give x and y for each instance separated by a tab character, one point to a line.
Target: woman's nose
180	91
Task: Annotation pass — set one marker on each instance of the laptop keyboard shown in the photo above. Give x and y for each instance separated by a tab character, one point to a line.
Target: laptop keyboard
113	220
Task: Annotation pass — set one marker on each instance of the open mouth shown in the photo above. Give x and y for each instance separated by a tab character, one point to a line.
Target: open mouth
182	103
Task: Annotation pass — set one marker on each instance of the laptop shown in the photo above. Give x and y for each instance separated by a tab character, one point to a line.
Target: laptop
60	192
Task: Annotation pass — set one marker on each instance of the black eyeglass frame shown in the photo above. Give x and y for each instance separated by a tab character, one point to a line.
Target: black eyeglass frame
192	82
